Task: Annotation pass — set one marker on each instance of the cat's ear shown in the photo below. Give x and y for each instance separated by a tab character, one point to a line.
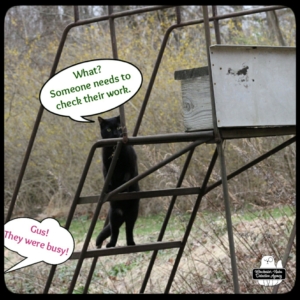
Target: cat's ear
100	120
118	118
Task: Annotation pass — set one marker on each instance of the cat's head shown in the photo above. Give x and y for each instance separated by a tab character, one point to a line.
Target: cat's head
110	128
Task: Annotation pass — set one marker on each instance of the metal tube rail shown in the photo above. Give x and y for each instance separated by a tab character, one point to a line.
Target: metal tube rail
94	219
95	216
76	13
127	249
143	195
287	253
216	25
236	286
252	163
159	139
211	89
166	220
222	157
191	221
115	56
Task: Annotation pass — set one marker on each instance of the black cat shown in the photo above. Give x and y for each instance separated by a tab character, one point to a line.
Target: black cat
126	168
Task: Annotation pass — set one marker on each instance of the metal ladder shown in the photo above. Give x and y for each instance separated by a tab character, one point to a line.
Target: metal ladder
197	139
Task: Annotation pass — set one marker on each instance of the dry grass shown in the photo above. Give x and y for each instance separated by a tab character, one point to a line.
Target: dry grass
204	268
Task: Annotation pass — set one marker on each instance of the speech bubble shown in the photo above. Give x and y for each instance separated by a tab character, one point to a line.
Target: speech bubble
38	241
90	88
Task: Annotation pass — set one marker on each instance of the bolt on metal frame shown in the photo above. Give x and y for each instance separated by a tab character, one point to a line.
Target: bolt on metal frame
196	138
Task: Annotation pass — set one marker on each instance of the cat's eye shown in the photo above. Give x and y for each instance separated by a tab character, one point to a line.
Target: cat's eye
108	129
119	128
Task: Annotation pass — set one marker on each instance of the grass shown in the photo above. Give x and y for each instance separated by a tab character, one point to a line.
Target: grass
145	226
150	226
204	268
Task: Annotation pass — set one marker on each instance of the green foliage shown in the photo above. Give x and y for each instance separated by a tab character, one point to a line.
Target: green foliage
79	290
119	269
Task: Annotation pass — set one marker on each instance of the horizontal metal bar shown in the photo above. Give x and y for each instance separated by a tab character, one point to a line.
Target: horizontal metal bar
128	249
247	12
153	169
144	194
236	133
157	193
158	7
120	14
158	139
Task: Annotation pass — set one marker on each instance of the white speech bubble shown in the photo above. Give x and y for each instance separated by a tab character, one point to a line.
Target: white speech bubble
38	241
90	88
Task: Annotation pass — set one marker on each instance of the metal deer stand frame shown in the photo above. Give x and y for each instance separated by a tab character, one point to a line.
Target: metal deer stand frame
215	133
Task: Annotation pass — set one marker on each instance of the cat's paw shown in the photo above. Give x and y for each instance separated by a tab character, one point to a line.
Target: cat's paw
99	241
110	245
132	243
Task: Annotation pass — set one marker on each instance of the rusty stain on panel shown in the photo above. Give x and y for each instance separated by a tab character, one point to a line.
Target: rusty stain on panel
242	73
